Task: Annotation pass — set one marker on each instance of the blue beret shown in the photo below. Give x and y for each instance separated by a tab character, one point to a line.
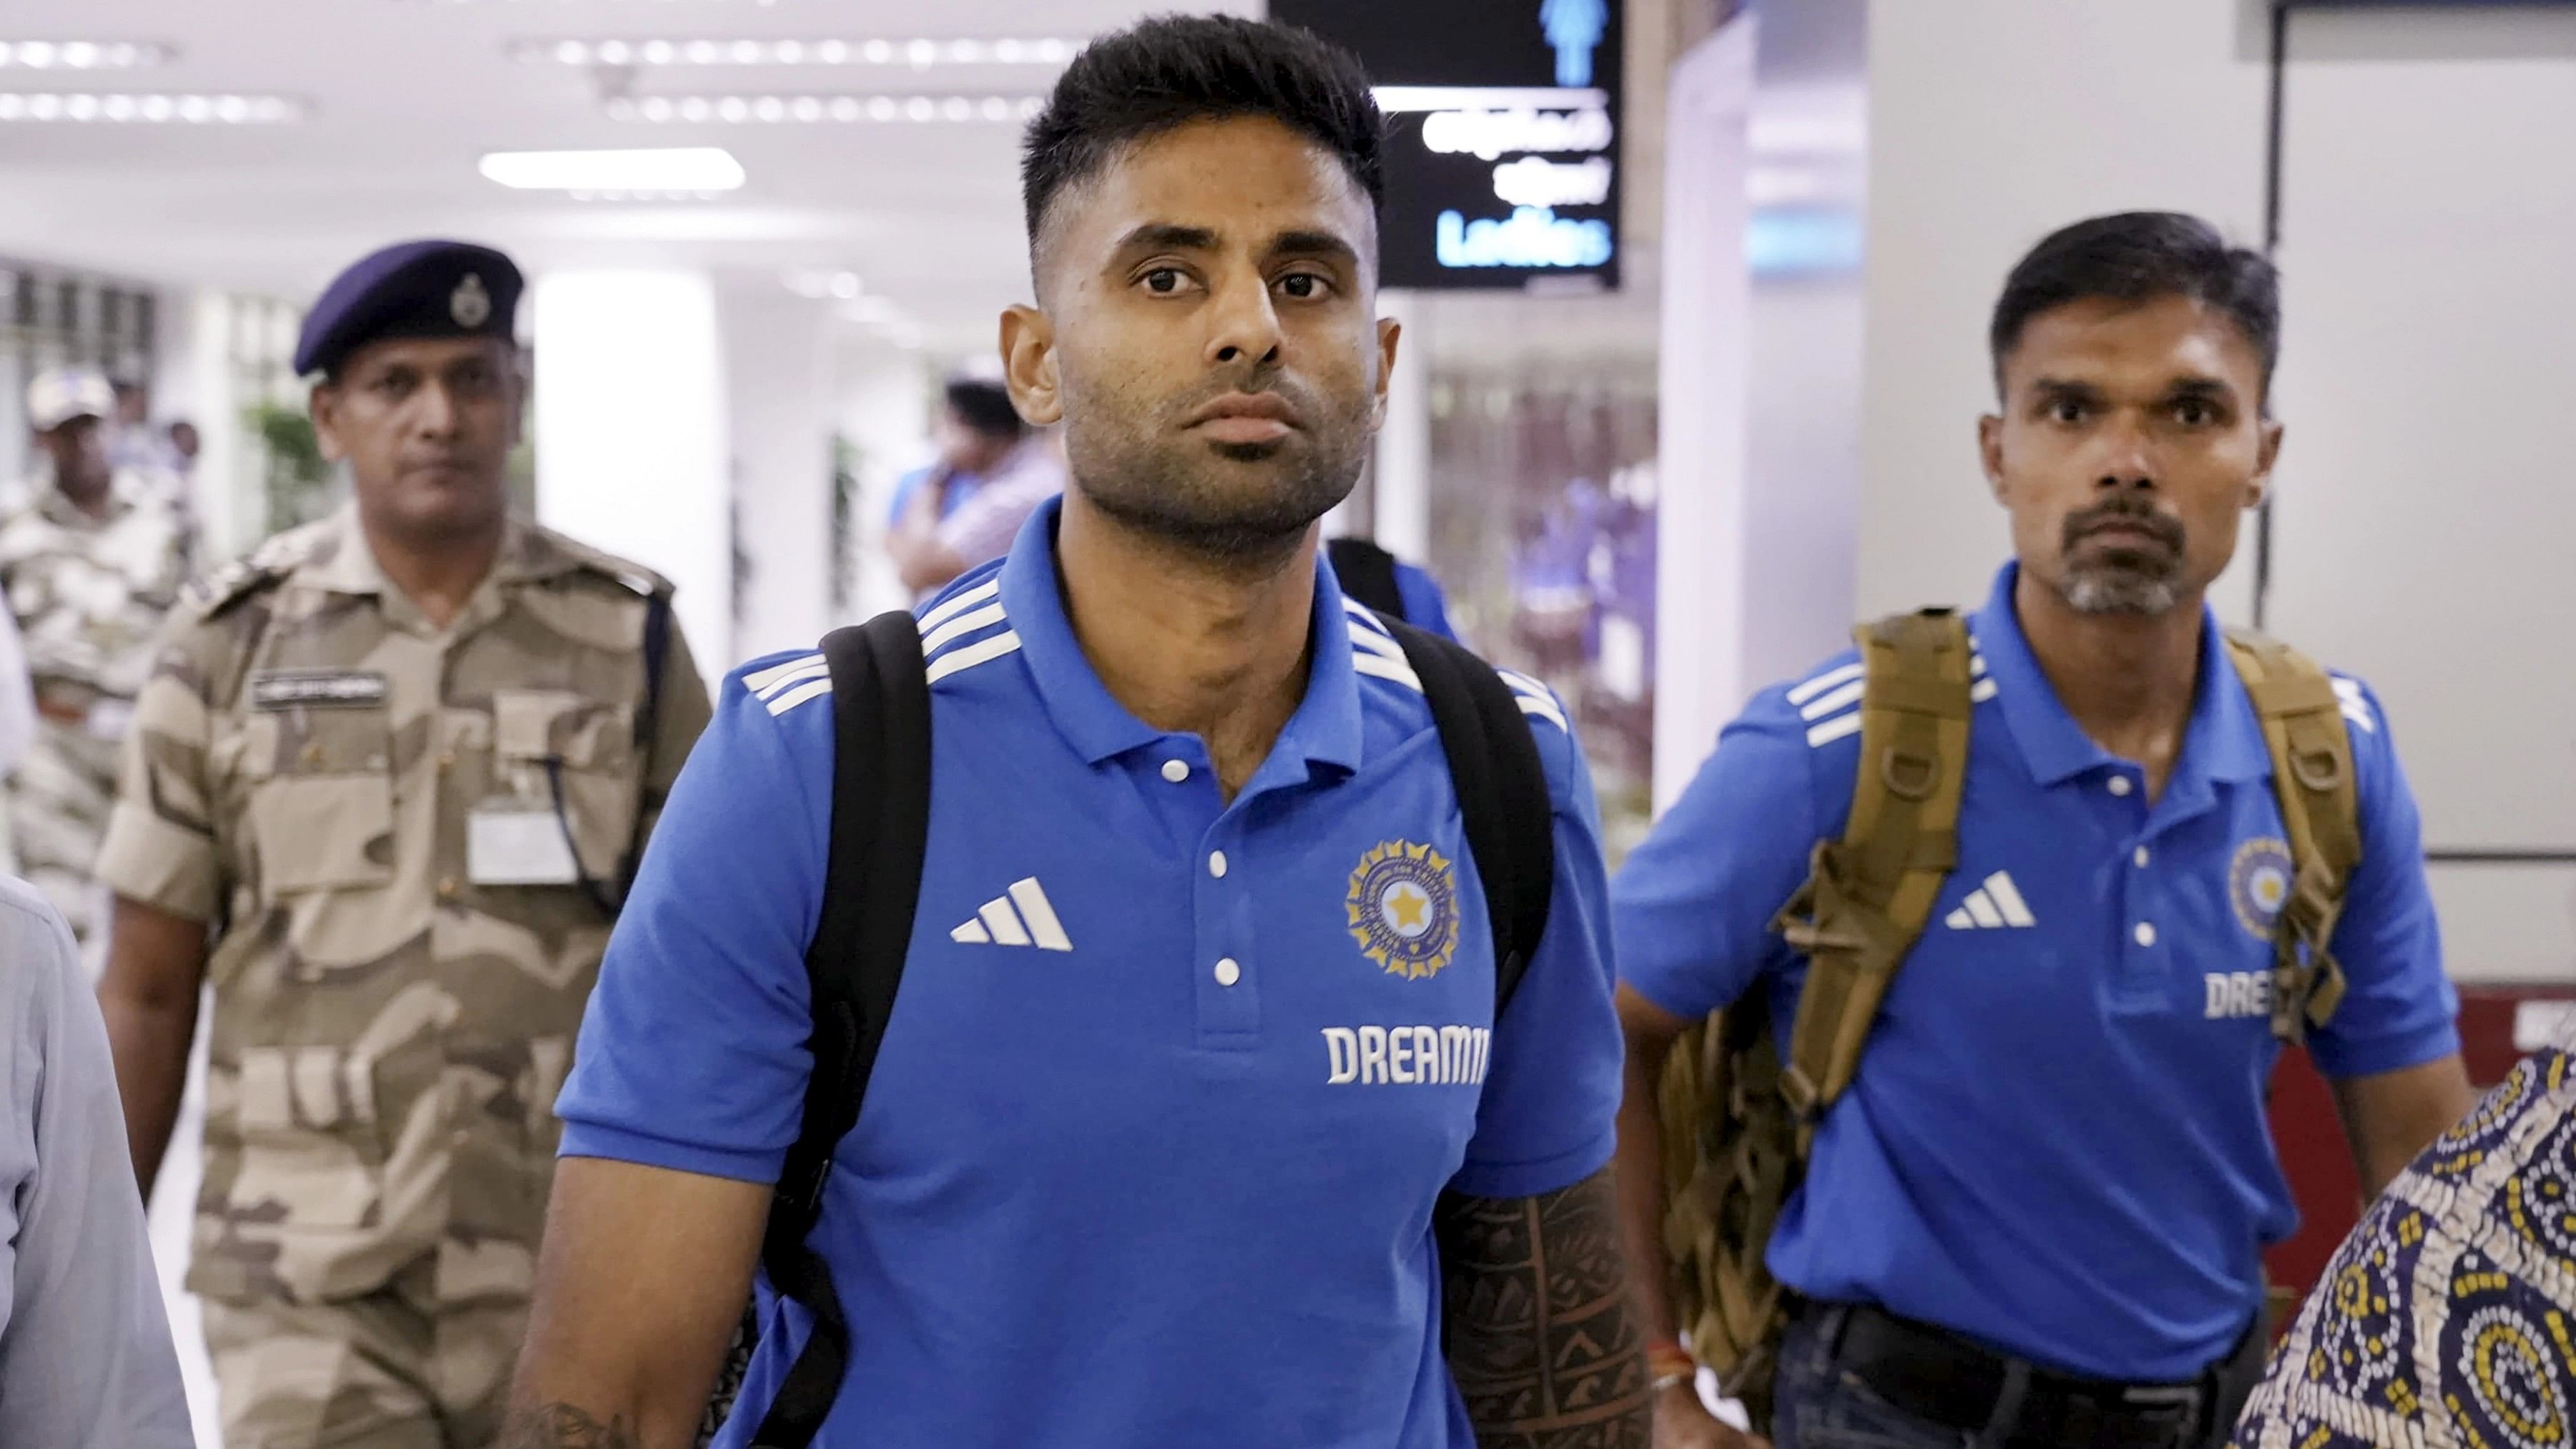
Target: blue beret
414	289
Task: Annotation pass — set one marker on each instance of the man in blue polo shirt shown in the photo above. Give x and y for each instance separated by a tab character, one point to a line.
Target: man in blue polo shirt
2037	1216
1193	1124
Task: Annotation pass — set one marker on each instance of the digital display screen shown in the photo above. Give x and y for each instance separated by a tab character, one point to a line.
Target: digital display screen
1502	156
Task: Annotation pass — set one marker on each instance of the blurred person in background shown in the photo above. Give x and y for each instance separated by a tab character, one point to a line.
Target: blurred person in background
964	510
85	1355
2037	1217
133	439
185	443
92	557
1122	1178
396	766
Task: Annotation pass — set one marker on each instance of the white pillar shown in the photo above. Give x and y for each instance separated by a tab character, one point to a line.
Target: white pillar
197	380
1402	492
778	365
1701	518
630	433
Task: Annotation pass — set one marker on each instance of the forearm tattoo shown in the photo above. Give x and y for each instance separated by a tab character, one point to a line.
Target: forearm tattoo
561	1426
1540	1331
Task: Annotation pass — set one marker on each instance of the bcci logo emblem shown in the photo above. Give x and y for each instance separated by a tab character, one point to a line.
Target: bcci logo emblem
2258	882
1404	909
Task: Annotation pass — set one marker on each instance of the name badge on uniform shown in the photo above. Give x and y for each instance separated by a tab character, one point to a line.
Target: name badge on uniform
316	689
518	844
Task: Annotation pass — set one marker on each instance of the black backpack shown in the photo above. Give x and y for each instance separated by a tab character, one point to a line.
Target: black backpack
1367	573
880	821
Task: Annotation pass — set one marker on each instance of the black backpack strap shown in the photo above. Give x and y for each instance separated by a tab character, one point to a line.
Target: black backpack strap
1367	573
648	722
880	825
1502	794
657	653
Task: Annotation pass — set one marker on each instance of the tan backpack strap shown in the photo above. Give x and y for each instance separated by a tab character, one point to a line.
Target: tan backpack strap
2320	796
1869	893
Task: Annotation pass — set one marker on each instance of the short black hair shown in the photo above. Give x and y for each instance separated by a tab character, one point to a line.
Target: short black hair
1175	69
985	408
2139	256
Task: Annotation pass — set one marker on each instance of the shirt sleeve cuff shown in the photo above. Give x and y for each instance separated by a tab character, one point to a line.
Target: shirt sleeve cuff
163	865
2389	1052
1533	1179
593	1139
1666	993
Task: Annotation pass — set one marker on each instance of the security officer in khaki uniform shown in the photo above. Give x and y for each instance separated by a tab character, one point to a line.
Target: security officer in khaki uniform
92	556
395	768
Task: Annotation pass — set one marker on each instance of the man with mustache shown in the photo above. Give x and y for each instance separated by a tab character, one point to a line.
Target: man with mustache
2037	1214
1193	1123
382	792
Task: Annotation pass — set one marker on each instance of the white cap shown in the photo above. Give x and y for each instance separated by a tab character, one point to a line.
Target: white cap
60	394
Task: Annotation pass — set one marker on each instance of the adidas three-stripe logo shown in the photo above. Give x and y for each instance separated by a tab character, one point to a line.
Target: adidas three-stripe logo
782	687
1021	916
1994	904
1375	653
954	637
1830	702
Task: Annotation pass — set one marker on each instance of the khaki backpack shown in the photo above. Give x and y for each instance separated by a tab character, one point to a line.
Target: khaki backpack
1739	1118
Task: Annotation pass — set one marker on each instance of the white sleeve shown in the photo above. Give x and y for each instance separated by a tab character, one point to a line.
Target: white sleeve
17	696
85	1355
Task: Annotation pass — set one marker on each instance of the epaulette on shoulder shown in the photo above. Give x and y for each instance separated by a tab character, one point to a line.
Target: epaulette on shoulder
628	573
262	568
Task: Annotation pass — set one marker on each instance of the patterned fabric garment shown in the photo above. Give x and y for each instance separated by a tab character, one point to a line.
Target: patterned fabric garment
386	1370
2449	1316
89	593
407	838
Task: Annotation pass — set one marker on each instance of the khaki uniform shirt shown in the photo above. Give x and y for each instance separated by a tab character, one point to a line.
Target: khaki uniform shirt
89	593
365	807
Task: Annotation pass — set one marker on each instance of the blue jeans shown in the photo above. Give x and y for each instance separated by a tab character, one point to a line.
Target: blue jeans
1818	1404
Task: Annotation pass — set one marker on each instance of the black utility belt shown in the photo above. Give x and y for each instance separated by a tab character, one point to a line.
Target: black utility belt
1961	1384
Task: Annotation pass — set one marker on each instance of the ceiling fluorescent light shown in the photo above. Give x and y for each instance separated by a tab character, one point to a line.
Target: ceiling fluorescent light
130	108
811	109
83	54
913	54
682	169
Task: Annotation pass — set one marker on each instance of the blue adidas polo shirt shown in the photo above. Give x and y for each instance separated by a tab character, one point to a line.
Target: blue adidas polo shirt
1425	606
2056	1142
1172	1085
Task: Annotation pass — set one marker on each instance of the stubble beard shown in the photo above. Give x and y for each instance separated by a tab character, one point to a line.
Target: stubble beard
1229	504
2112	589
2125	582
